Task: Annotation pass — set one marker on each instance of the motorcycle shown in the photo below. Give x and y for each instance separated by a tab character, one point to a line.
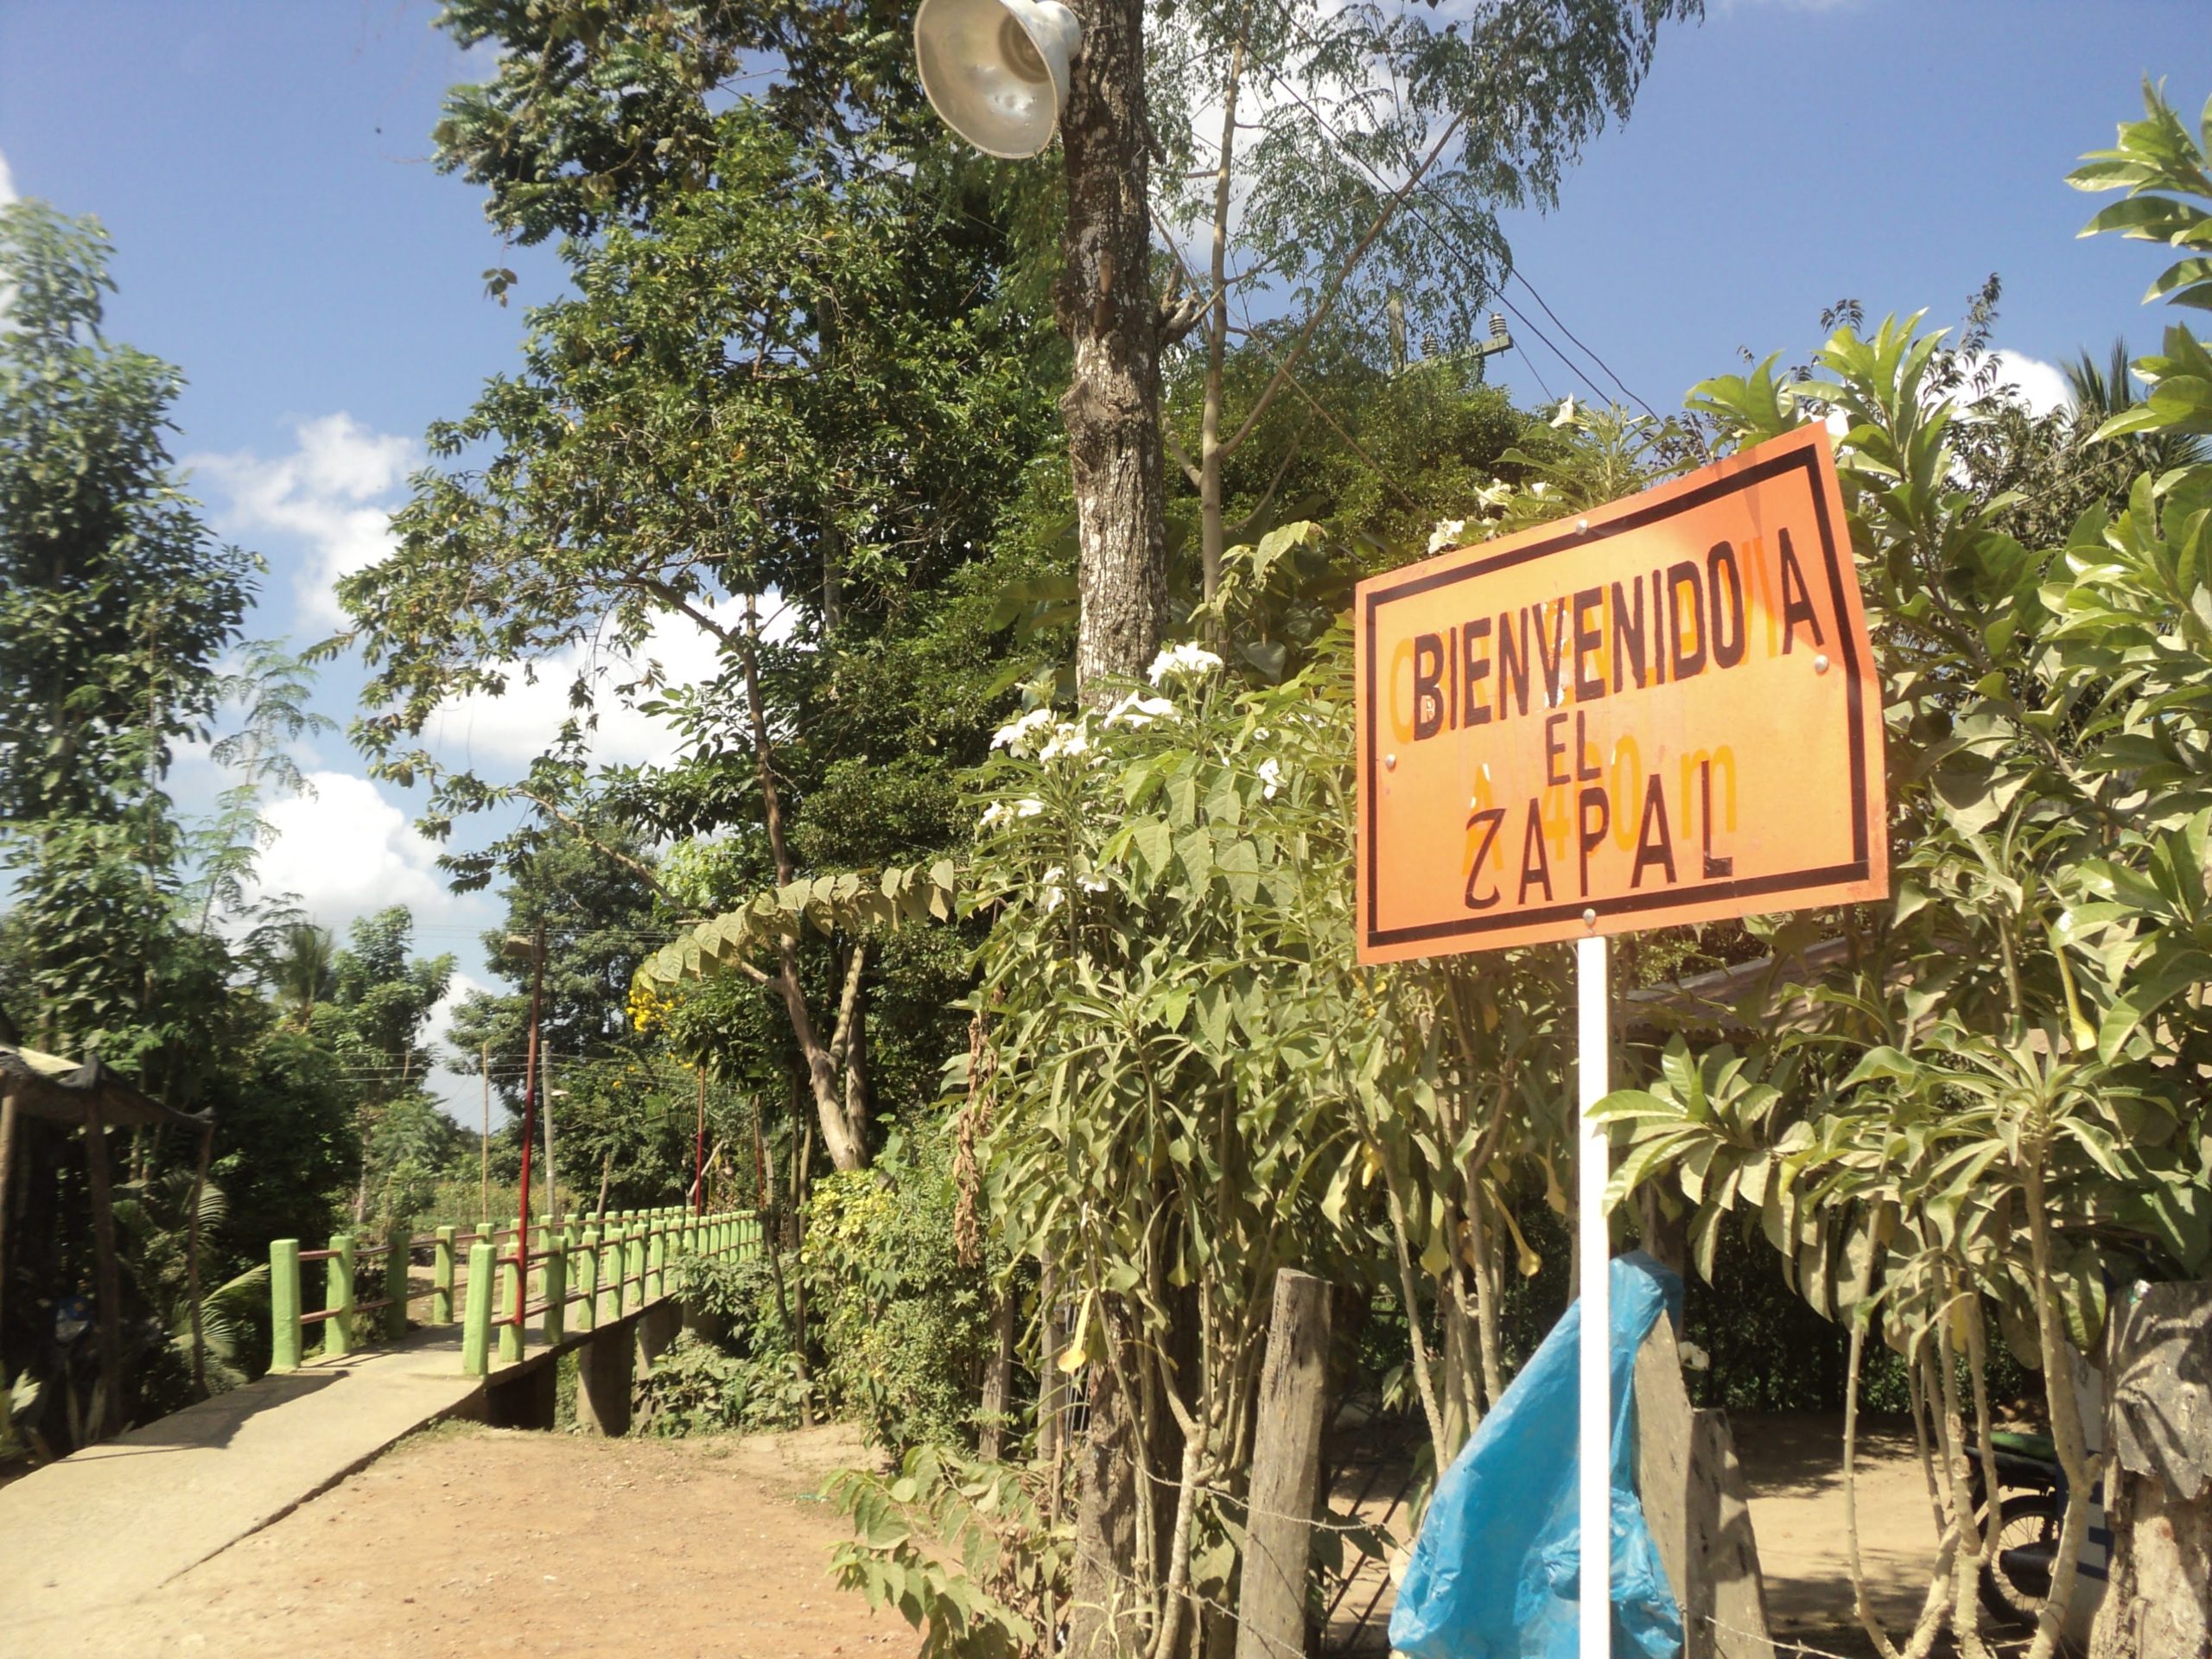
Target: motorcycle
2031	1507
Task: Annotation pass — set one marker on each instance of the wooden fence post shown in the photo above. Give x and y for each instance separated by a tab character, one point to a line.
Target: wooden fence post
1285	1471
283	1304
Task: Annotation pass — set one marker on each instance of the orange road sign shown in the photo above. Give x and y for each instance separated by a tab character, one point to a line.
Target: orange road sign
1663	711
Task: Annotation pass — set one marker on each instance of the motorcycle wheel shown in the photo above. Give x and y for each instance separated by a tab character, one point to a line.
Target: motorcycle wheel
2015	1588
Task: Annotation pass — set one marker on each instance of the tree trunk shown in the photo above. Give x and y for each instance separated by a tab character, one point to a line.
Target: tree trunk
2158	1601
847	1151
1107	1606
998	1379
1053	1389
1213	535
1106	308
1285	1471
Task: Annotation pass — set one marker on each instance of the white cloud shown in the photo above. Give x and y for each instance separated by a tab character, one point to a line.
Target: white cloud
333	494
346	851
512	728
2037	384
442	1011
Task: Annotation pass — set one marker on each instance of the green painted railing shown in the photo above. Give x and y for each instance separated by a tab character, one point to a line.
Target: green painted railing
571	1275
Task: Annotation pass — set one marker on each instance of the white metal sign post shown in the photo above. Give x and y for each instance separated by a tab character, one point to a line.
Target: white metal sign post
1662	711
1594	1611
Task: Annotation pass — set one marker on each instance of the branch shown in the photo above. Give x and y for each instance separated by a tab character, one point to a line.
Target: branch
1336	287
841	1045
1297	444
644	872
1182	458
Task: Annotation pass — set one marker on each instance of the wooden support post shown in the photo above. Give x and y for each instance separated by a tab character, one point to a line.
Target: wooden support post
108	1332
476	1322
1285	1471
656	1259
396	1266
338	1296
285	1305
442	1277
1693	1501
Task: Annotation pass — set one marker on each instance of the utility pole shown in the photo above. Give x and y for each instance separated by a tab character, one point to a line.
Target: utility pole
699	1152
552	1187
483	1140
537	949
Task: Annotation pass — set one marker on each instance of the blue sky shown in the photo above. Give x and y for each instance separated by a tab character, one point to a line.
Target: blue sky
282	236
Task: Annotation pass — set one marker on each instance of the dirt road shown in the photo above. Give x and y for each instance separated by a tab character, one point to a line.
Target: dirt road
467	1542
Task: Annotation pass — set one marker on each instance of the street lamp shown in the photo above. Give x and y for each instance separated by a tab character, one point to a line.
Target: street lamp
996	71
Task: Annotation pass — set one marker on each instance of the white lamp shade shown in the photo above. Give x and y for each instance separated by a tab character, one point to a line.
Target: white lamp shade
996	71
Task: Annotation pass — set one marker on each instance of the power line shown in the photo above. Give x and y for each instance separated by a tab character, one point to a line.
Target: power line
1424	188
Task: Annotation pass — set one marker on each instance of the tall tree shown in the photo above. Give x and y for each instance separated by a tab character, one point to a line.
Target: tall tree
381	999
116	604
786	400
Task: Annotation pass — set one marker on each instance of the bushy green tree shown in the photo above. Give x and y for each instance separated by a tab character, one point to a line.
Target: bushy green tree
116	603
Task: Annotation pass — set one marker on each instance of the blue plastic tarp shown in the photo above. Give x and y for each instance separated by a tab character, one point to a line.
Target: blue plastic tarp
1494	1572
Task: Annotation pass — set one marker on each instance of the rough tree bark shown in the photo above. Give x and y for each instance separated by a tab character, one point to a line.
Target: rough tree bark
1106	308
1111	410
2158	1600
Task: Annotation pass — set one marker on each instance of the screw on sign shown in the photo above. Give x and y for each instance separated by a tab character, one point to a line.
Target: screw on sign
1663	712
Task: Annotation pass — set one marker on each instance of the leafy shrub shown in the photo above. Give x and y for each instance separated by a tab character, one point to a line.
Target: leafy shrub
962	1549
905	1328
699	1386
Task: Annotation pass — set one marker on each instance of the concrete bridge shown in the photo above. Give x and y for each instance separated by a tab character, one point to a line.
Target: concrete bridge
116	1521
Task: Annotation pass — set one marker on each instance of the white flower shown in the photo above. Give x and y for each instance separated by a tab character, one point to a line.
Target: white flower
995	813
1027	807
1540	488
1016	737
1051	885
1565	416
1091	883
1138	711
1067	741
1447	534
1185	661
1270	776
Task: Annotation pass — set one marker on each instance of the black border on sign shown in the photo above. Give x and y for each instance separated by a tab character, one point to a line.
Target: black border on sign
1777	885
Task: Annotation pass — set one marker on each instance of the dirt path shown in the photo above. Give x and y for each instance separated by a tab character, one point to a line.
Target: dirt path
468	1541
1793	1464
